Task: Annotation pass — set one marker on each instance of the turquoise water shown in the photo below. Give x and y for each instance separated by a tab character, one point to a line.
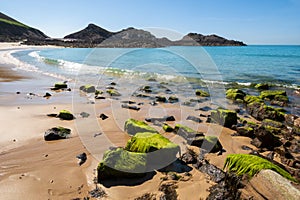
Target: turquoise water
273	64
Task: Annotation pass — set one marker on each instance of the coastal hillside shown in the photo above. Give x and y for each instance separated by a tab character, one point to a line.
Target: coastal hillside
13	31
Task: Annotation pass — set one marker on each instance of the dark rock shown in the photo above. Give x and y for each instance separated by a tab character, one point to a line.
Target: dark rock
189	157
113	92
99	97
52	115
227	189
153	103
272	123
65	115
18	92
262	86
110	87
162	119
235	94
84	114
88	88
205	108
245	131
47	95
270	155
201	115
60	86
173	99
130	107
215	174
193	118
167	128
244	147
224	117
169	190
128	102
265	138
290	119
57	133
278	103
97	193
202	93
82	158
103	116
97	134
261	111
161	99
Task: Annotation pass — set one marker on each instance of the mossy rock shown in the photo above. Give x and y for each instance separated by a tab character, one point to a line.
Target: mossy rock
251	165
150	142
270	94
235	94
202	93
65	115
60	85
97	92
57	133
272	123
167	128
262	86
120	163
250	99
281	98
173	99
161	99
186	132
133	126
261	111
245	131
224	117
88	88
209	143
113	92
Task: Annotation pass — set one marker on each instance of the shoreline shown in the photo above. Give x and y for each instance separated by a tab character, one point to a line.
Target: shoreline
35	169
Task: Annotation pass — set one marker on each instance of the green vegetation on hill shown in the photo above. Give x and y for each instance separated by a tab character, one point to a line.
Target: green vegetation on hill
13	23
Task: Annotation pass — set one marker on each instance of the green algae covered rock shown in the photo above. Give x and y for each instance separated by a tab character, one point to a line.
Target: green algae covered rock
113	92
202	93
65	115
150	142
133	126
262	111
251	165
250	99
272	123
57	133
271	94
224	117
167	128
88	88
235	94
262	86
119	163
60	85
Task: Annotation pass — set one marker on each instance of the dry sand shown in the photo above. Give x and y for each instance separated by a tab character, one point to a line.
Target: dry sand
31	168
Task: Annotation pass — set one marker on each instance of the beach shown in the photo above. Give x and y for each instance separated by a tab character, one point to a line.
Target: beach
32	168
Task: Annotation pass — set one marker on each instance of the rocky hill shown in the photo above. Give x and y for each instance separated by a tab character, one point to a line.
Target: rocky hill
13	31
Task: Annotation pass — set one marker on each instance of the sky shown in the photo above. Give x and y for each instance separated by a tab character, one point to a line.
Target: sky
250	21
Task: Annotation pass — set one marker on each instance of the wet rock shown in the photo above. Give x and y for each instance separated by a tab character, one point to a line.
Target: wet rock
60	86
130	107
133	126
272	123
264	138
245	131
173	99
202	93
262	86
82	158
128	102
113	92
47	95
205	108
224	117
88	88
278	103
120	163
215	174
279	95
251	99
226	189
65	115
169	190
261	111
161	99
167	128
57	133
193	118
235	94
100	97
103	116
189	157
162	119
84	114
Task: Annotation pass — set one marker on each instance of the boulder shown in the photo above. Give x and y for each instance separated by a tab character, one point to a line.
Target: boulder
47	95
235	94
265	138
103	116
262	86
57	133
82	158
133	126
159	149
88	88
161	99
270	185
273	94
65	115
245	131
250	99
261	111
119	163
113	92
251	165
224	117
202	93
173	99
60	86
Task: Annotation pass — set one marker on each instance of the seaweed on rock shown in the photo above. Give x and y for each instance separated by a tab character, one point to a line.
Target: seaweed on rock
251	165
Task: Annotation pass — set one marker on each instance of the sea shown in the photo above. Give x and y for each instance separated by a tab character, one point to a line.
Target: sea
183	68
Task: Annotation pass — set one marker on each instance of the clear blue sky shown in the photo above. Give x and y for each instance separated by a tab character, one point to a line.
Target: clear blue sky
251	21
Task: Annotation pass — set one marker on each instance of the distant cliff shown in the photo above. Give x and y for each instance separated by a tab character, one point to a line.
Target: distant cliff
95	36
14	31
